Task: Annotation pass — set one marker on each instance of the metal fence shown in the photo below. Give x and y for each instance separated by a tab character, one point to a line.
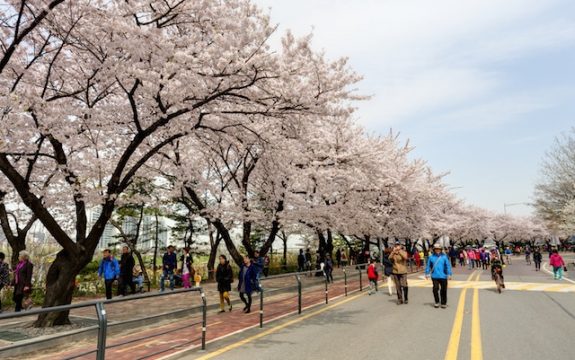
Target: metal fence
99	306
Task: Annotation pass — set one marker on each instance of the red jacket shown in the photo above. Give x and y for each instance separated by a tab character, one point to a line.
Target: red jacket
371	272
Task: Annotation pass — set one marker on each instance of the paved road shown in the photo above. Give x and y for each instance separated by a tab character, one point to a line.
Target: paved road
537	320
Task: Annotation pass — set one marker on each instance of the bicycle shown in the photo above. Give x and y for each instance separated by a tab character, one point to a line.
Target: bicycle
498	280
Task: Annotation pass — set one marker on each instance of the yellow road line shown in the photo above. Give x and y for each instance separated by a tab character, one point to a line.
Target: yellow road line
453	347
275	329
476	346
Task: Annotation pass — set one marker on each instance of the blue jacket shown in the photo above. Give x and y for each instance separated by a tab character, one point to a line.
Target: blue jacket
109	268
250	279
441	266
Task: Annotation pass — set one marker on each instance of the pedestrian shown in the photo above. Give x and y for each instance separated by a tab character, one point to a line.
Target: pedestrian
247	283
537	259
328	269
258	264
187	270
224	277
439	269
483	256
127	264
417	259
169	265
508	254
22	281
461	258
388	269
343	258
308	260
372	276
301	261
338	258
470	259
109	270
556	261
4	276
399	259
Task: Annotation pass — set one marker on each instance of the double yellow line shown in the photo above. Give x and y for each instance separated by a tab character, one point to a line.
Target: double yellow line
454	340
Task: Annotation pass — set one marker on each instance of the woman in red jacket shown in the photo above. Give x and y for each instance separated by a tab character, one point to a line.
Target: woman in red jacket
372	275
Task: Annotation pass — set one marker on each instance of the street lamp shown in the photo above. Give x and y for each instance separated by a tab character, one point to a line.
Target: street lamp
505	206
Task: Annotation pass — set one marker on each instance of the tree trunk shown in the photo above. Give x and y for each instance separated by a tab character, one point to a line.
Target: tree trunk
322	243
284	260
212	258
155	259
60	283
329	243
246	238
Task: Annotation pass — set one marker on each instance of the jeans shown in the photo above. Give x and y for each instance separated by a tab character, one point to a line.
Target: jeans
167	274
440	295
247	300
558	272
108	284
538	265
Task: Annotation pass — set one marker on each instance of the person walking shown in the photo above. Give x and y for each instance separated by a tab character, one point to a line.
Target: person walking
109	270
258	264
537	259
343	258
127	264
169	265
4	276
399	259
388	269
187	270
338	258
328	269
301	261
439	269
247	283
224	278
453	256
372	276
308	260
558	264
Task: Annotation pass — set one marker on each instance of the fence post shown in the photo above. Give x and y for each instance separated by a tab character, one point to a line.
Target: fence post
261	307
298	294
345	281
102	330
360	279
326	293
204	319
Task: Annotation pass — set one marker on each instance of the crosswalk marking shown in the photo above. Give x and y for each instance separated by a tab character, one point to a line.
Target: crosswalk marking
513	286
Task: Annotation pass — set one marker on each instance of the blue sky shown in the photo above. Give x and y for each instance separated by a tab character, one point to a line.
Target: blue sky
480	87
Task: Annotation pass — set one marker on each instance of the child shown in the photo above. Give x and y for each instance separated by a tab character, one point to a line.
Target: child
372	275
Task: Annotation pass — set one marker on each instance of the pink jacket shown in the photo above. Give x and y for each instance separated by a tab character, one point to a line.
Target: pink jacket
556	260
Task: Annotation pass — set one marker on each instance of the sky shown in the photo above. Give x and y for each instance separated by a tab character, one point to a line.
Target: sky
481	88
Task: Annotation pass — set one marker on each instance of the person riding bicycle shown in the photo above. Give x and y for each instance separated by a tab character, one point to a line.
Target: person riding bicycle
497	268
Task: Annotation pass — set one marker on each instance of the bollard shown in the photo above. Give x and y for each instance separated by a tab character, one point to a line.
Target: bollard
326	293
345	281
204	319
298	294
102	329
360	280
261	307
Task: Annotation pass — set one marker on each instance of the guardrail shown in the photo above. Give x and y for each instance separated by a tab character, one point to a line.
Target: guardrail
102	316
359	268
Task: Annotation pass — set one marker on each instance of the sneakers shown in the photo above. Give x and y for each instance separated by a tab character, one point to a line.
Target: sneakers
230	309
221	311
399	302
436	306
444	306
406	302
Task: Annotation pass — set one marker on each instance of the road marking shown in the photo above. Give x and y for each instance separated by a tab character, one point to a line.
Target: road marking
476	346
453	347
276	328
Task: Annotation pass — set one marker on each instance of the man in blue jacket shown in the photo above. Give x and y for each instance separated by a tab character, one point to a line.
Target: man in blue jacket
169	263
439	268
109	270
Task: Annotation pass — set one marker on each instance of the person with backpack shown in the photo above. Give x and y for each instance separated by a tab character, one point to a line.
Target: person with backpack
439	269
372	276
109	269
224	278
537	259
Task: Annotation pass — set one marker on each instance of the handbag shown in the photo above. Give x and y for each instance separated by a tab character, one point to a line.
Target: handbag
564	268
